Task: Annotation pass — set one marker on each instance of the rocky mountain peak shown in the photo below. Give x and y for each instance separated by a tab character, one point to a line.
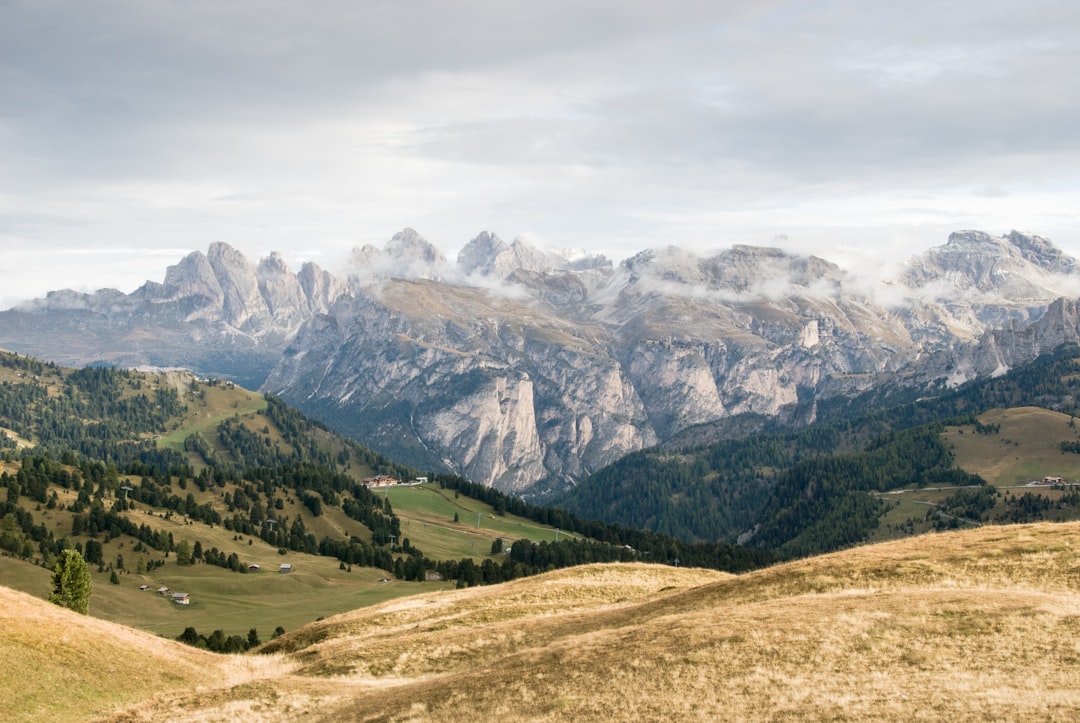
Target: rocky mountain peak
407	255
242	303
1042	253
282	292
489	255
1015	268
769	270
321	288
479	255
408	244
670	264
193	278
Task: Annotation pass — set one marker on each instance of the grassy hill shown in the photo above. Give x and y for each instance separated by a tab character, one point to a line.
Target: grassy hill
1012	450
165	480
970	625
1017	446
59	665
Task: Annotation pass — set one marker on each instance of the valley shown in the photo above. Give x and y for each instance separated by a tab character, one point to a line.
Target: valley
890	545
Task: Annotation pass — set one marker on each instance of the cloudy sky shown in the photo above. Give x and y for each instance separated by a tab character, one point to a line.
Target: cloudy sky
132	132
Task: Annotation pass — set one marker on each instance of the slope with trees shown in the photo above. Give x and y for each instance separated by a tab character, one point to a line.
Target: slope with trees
811	490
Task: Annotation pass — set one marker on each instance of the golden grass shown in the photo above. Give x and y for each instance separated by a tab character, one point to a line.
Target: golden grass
58	665
972	625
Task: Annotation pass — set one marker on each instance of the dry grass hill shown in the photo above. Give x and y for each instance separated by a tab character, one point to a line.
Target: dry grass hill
972	625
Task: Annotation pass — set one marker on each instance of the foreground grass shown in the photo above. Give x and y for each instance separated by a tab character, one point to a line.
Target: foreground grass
57	665
972	625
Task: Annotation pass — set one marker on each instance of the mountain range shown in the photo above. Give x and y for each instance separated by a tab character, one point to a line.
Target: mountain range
529	369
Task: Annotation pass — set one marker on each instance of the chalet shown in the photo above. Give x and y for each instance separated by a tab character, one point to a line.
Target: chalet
285	567
163	591
381	480
144	587
181	598
1053	480
253	568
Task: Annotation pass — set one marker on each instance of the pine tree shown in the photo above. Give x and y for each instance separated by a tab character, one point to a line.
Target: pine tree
72	585
183	553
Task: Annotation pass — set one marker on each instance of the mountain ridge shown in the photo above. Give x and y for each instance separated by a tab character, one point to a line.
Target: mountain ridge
527	369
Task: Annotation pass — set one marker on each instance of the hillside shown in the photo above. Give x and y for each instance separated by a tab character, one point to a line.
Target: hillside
58	665
971	625
827	486
161	479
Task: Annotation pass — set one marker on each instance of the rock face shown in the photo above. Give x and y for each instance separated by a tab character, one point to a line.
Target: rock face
528	369
563	368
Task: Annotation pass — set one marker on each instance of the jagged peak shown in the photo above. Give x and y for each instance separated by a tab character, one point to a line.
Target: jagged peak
489	255
410	243
273	264
194	268
1042	252
407	255
479	255
221	249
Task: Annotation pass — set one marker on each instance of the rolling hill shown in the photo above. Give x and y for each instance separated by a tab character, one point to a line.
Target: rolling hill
970	625
162	479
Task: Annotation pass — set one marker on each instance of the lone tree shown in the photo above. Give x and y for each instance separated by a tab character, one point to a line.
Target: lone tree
71	582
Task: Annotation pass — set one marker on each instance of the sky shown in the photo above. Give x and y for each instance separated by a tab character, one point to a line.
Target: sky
133	132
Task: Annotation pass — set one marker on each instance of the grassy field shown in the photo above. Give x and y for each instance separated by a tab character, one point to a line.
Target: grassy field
226	600
1027	447
214	405
972	625
1019	446
427	519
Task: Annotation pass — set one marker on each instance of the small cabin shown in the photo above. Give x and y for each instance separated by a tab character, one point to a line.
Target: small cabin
181	598
1053	480
285	567
163	591
253	568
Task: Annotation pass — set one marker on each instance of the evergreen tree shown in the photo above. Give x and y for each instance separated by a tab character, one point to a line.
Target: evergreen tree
71	582
183	553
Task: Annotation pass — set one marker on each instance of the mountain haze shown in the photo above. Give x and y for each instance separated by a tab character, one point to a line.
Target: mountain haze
528	369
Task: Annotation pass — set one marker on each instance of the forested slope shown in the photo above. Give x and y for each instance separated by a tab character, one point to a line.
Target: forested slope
810	490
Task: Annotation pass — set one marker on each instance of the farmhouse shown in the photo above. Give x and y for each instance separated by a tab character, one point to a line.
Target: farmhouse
1053	480
181	598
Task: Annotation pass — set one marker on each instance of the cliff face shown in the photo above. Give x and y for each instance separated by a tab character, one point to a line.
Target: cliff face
525	368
